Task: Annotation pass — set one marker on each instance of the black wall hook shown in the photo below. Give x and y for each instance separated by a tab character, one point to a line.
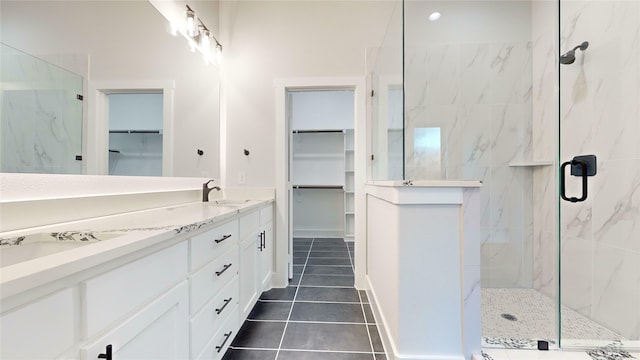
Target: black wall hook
246	152
200	152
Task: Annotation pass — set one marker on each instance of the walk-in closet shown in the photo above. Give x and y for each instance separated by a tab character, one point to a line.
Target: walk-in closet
135	134
322	163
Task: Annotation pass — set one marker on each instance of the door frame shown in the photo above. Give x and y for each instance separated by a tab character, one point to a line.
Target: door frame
95	140
283	239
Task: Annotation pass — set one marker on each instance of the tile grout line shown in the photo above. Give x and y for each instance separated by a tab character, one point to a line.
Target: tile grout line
293	302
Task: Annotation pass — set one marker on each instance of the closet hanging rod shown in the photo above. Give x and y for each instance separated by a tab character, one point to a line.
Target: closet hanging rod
134	131
316	131
336	187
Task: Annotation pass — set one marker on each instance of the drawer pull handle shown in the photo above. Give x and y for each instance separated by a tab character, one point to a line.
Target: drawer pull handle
226	337
225	268
107	354
226	302
223	238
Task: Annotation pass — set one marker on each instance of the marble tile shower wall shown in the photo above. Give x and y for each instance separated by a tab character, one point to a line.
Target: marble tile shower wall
41	127
600	114
545	146
479	95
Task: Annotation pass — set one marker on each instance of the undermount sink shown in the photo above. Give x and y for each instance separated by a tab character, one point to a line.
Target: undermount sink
29	247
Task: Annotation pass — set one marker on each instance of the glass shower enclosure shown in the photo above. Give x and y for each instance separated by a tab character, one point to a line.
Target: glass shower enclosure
40	115
507	93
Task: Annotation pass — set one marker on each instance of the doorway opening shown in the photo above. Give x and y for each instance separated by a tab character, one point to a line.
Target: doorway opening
135	134
142	111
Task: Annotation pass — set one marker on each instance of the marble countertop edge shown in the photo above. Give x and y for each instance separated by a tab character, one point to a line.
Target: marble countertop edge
153	230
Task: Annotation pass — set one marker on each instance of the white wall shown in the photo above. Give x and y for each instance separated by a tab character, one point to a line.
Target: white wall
268	40
128	40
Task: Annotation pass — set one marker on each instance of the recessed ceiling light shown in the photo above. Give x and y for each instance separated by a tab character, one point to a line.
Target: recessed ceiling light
434	16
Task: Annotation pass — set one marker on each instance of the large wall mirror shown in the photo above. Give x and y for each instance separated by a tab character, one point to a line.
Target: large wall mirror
121	58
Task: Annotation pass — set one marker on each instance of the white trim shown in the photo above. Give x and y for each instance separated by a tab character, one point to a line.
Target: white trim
358	84
96	142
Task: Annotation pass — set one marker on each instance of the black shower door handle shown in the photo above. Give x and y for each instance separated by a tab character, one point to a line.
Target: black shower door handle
584	175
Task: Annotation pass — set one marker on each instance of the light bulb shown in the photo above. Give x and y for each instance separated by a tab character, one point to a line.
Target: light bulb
205	42
192	29
434	16
218	54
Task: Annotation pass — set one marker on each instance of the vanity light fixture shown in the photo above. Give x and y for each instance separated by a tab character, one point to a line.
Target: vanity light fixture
199	36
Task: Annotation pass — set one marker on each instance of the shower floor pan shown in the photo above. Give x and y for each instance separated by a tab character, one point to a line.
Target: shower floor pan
518	318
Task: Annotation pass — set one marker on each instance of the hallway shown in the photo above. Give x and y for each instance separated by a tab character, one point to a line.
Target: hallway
320	316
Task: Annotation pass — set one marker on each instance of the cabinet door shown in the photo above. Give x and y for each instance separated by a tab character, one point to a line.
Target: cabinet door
158	331
248	274
128	287
265	267
42	329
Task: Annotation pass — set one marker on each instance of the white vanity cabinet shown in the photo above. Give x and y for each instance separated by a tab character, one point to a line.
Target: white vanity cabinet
214	291
184	297
256	256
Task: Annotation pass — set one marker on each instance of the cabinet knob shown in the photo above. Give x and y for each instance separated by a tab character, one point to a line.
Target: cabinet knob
108	353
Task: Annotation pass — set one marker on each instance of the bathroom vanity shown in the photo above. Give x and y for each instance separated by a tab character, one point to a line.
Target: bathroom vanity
169	283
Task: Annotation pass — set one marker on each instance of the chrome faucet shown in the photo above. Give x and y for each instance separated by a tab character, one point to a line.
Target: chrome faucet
206	190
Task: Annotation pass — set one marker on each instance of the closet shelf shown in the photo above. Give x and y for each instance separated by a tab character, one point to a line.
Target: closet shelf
331	187
318	156
316	131
135	132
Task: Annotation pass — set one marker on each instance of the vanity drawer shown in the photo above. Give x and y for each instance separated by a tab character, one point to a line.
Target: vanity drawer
206	246
206	282
130	286
216	348
205	323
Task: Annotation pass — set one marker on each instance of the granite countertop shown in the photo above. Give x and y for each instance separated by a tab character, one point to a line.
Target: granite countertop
36	256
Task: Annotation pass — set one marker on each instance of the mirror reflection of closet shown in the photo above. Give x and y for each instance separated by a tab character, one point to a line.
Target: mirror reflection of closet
135	134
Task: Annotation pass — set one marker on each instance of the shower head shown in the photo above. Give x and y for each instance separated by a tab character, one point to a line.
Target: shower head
570	56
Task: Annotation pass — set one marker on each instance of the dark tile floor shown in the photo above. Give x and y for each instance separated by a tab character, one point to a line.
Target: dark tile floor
319	316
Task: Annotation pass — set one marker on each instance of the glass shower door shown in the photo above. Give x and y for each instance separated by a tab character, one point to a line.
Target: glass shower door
600	194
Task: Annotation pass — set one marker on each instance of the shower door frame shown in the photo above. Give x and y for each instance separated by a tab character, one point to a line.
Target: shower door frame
584	228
